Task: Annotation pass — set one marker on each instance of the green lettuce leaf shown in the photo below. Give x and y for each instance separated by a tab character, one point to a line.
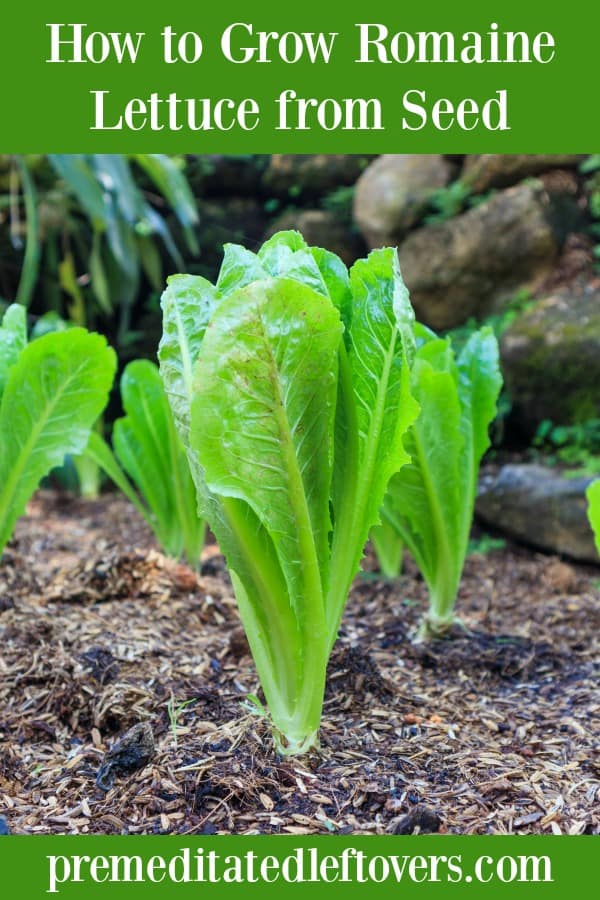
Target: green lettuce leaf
13	339
149	449
262	426
54	393
430	502
593	496
375	410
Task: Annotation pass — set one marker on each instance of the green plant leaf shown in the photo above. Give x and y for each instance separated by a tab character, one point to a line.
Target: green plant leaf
53	395
150	451
430	502
172	184
31	257
75	169
593	496
263	406
239	268
13	339
388	548
262	428
261	592
100	452
275	445
375	409
187	305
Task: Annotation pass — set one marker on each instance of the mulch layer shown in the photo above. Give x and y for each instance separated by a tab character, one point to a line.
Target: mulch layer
124	680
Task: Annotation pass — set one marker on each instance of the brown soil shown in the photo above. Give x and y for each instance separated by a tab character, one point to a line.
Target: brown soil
493	731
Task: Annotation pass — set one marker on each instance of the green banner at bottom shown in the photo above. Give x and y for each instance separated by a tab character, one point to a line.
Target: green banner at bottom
241	866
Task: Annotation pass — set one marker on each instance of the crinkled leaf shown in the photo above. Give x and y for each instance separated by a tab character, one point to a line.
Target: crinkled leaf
54	393
275	253
424	497
262	414
337	280
239	268
375	407
480	382
187	305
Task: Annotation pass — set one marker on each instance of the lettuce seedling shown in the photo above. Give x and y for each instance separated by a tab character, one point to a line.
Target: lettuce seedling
53	390
147	448
289	383
593	496
430	502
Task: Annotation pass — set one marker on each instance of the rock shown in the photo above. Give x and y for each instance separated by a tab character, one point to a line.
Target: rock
393	193
321	228
469	265
291	174
493	170
540	507
131	752
551	359
420	820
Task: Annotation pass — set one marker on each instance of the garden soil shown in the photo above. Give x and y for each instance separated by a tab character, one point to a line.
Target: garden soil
126	696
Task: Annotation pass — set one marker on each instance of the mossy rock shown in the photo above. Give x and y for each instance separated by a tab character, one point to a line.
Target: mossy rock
393	194
540	507
494	170
551	359
474	263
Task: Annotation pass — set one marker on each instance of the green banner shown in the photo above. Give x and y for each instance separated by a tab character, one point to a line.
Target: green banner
307	78
427	866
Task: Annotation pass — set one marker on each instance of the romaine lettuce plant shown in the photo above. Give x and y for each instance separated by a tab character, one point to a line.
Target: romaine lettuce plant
593	496
52	391
148	449
430	502
388	547
289	383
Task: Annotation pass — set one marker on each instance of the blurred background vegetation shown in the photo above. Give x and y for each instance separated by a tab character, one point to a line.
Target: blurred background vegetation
511	241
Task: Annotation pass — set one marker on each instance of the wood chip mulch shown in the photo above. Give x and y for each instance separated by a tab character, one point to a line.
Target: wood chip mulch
124	680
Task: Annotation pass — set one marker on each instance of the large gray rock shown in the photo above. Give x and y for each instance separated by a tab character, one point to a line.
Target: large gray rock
551	359
468	265
493	170
321	228
393	193
291	174
540	507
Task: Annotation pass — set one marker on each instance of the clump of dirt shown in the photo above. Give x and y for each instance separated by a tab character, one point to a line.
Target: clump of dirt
132	751
104	643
